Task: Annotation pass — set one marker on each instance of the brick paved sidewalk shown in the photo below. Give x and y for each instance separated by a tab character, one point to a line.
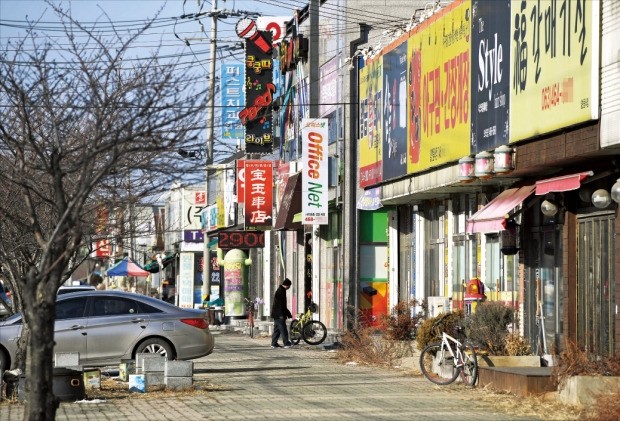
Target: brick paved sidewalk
245	379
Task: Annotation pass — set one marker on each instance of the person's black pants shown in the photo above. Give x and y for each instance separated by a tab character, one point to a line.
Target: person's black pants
279	329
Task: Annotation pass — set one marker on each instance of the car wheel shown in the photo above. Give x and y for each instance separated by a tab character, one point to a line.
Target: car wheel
155	346
4	360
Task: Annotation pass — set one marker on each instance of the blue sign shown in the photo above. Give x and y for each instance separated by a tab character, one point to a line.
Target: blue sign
233	100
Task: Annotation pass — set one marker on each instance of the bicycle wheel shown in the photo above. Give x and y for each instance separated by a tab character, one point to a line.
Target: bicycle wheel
295	332
437	364
251	324
314	332
468	368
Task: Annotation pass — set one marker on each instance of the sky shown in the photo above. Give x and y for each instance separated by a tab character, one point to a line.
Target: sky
176	29
171	29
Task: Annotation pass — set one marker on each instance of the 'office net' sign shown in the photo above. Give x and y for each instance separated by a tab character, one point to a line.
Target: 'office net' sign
314	208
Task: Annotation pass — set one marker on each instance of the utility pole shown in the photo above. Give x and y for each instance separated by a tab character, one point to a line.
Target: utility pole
206	287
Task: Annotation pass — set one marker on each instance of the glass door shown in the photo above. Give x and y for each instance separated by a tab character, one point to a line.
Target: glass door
544	289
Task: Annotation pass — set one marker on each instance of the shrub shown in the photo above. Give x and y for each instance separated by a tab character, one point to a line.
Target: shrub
401	324
431	329
367	346
517	345
575	361
488	326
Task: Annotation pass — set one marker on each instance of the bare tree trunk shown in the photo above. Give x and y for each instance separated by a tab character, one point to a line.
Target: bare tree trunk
42	403
22	348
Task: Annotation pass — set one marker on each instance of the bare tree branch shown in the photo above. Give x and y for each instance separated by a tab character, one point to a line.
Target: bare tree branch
101	133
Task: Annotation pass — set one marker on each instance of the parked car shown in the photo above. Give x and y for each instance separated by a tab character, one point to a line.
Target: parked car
74	288
107	326
5	297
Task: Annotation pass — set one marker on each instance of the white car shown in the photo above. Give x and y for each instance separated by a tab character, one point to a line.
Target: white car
107	326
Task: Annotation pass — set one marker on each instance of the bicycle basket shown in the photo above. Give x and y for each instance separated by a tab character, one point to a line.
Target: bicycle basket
313	308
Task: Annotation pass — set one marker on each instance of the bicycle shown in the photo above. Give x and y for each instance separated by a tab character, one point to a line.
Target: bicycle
442	362
313	332
250	307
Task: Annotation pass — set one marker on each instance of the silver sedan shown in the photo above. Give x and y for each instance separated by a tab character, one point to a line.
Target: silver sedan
107	326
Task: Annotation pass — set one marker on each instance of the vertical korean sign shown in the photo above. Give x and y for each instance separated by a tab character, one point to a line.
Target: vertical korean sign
259	87
314	205
233	99
186	280
555	65
258	194
240	191
102	245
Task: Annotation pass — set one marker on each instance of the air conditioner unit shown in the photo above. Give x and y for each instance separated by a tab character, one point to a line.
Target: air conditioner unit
438	305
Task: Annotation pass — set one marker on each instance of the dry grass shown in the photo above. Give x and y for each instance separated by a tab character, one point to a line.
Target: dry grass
607	408
574	361
545	406
112	389
365	347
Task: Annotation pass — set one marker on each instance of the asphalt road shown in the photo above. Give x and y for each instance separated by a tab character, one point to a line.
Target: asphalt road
245	379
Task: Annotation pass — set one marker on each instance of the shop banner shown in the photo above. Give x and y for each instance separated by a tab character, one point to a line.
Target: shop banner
240	180
194	202
232	98
275	24
441	107
490	75
554	60
371	122
258	194
329	87
229	201
314	202
186	280
103	248
395	112
259	91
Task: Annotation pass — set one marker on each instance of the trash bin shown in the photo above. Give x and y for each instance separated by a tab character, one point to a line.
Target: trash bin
219	315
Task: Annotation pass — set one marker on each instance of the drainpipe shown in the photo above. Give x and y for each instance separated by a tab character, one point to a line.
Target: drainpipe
350	221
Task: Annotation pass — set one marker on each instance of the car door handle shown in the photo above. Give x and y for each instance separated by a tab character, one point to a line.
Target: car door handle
137	320
77	327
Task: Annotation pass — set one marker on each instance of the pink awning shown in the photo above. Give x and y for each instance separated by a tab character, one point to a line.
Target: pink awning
492	217
562	183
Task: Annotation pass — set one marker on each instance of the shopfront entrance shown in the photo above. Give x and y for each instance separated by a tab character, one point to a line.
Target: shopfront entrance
595	310
544	288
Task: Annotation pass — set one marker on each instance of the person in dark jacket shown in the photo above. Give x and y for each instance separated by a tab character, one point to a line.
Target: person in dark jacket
279	313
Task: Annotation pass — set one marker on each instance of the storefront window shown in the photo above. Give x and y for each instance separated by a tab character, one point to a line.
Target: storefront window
434	248
464	259
492	274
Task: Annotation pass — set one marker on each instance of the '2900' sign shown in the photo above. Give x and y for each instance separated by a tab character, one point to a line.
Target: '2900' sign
241	239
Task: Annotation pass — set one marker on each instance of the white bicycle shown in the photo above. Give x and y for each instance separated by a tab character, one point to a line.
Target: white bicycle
442	362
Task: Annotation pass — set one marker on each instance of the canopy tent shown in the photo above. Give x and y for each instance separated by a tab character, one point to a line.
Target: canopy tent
153	265
127	267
